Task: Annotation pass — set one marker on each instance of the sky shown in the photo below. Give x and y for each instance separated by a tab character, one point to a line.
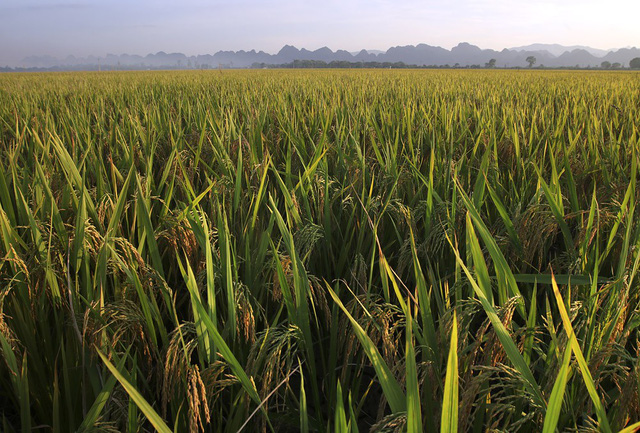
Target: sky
99	27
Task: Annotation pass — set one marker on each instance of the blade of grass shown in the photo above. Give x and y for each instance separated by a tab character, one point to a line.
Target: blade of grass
503	335
390	386
101	400
148	411
449	417
582	363
340	417
557	394
414	412
633	428
507	286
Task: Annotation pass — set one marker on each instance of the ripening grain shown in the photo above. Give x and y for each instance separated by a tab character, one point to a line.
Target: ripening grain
288	251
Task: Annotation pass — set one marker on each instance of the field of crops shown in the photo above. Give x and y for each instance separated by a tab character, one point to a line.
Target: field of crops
286	251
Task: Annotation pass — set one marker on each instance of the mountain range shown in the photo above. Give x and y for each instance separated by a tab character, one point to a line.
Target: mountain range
463	54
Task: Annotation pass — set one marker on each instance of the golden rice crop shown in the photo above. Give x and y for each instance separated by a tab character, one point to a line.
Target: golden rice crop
380	251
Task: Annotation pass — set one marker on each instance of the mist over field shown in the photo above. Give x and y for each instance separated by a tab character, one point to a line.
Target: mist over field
462	55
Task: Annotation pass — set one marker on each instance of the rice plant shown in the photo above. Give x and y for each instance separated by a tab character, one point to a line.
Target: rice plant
363	251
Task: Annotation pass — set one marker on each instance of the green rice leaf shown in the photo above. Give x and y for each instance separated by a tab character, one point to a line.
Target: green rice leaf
582	363
148	411
390	386
557	394
449	418
504	336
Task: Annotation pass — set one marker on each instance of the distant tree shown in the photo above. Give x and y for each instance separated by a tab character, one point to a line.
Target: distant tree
635	63
490	64
605	65
531	60
616	65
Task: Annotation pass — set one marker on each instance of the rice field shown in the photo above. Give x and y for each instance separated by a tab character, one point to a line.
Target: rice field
320	251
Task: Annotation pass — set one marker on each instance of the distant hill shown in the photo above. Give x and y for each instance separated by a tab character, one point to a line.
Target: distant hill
557	49
462	55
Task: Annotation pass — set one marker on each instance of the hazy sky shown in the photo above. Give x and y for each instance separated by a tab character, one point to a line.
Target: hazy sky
98	27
